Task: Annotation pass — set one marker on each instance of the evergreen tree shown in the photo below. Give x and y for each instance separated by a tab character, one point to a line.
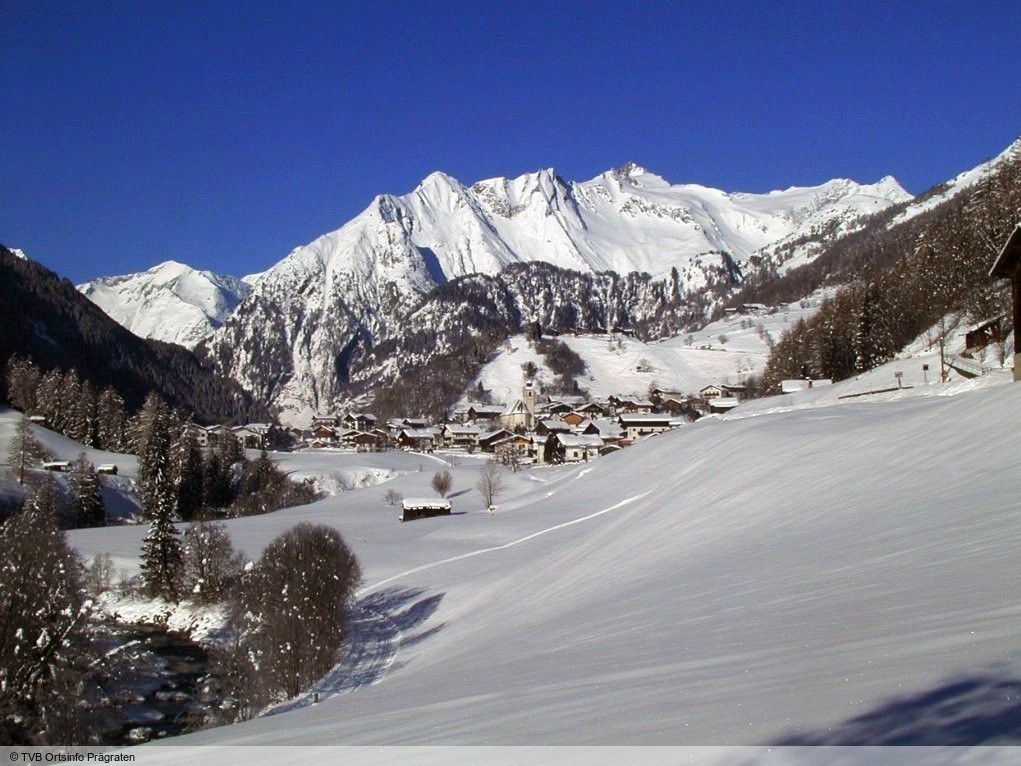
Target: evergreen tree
50	401
873	342
188	475
22	381
74	422
87	506
111	421
25	449
161	549
155	471
43	617
161	558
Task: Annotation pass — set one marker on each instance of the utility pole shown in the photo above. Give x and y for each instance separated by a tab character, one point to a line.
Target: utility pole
942	349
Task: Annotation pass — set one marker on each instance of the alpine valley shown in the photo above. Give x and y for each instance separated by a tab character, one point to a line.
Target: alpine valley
453	271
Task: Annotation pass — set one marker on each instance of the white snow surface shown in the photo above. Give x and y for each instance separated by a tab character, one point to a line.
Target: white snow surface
623	220
737	581
171	302
619	364
958	184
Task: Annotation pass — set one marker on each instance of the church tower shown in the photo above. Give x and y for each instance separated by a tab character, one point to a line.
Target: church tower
528	399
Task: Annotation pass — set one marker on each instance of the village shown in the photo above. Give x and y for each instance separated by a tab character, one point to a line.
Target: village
535	429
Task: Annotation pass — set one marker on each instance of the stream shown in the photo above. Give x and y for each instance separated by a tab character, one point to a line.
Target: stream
157	685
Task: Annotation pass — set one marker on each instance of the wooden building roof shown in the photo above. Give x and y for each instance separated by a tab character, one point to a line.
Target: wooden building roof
1006	266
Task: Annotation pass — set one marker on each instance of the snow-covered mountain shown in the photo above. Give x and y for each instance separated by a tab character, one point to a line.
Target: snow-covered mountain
349	289
170	302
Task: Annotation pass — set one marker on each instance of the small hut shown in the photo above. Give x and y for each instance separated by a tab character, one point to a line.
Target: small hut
424	508
1008	266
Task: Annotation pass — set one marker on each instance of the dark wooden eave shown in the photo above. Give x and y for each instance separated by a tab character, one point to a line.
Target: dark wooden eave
1006	265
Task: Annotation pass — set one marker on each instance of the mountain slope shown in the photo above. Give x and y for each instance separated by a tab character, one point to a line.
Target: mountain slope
44	317
737	581
171	302
293	340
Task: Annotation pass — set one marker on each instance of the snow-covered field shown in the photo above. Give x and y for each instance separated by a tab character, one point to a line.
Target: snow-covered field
842	573
725	351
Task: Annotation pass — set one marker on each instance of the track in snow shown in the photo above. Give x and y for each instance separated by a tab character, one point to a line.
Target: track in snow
379	625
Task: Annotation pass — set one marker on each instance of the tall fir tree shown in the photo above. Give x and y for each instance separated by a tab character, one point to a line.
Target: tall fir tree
161	548
87	506
50	401
188	475
22	381
111	421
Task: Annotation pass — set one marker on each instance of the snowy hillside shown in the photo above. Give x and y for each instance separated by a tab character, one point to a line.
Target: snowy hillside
119	492
957	184
725	351
171	302
819	575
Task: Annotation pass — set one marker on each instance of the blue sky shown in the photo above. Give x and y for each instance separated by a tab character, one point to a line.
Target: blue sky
225	134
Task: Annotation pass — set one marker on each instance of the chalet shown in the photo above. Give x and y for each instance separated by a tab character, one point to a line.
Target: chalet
609	431
462	437
517	446
634	406
675	405
552	426
62	466
423	508
107	468
574	419
538	448
711	392
736	390
555	408
383	437
488	441
253	435
359	421
985	333
637	426
40	419
723	404
330	421
1008	266
325	435
362	441
416	423
572	448
423	440
206	435
484	413
591	410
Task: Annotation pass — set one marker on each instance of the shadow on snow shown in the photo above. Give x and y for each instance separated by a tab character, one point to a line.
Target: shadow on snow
380	625
974	710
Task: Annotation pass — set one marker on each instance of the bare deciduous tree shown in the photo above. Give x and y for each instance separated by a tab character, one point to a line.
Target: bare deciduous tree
393	497
442	482
211	565
491	482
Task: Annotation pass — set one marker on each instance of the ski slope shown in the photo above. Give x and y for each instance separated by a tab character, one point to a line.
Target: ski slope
739	581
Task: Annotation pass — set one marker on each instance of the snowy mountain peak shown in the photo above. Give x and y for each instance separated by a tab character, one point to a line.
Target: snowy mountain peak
171	301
